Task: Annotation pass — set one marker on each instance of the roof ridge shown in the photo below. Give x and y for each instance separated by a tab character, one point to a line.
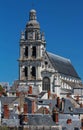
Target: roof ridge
60	57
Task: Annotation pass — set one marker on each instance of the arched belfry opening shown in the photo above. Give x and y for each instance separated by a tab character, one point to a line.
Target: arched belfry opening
34	51
46	84
33	72
26	71
26	51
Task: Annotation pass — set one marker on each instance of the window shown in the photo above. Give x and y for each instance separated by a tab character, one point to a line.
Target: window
46	83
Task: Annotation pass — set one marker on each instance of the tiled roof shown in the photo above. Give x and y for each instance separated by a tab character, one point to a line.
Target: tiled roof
63	65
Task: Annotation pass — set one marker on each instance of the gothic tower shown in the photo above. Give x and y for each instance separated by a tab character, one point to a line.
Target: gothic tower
32	47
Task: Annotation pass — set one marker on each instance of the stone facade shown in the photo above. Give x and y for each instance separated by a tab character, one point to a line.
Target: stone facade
39	69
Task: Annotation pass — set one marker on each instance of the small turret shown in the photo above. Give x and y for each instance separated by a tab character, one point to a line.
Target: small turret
32	15
33	23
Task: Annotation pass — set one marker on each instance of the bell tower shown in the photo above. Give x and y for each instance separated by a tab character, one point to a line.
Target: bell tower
32	48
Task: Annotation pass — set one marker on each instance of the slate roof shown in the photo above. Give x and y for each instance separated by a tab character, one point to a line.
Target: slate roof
50	102
70	109
7	100
63	122
40	119
72	126
41	94
63	65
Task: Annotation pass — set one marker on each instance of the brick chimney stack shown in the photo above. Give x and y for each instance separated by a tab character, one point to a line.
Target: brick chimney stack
25	108
49	94
33	106
58	102
6	111
17	93
69	121
55	116
81	124
81	105
30	90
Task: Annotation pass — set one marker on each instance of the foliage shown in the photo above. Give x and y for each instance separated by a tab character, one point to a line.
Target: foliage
2	91
1	88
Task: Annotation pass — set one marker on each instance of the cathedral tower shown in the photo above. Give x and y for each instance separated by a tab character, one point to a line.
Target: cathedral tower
32	47
40	70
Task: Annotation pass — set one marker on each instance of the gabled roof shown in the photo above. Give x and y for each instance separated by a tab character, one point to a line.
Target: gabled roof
62	65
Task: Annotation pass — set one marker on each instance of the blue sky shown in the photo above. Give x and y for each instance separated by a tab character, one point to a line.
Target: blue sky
62	22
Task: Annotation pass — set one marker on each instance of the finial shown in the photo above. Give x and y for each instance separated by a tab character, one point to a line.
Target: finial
22	35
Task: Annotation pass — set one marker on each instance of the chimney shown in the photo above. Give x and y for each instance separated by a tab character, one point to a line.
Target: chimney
81	105
81	124
68	95
49	94
58	102
6	111
30	90
25	119
77	98
69	121
25	108
17	93
33	106
55	116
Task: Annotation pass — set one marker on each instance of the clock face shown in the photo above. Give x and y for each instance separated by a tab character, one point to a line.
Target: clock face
30	35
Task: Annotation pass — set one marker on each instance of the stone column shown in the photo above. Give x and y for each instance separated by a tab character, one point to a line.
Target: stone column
29	51
38	72
37	51
22	76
